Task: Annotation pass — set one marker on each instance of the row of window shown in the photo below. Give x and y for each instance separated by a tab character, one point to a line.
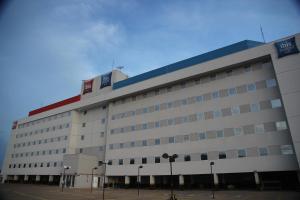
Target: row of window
224	112
44	130
82	137
43	120
230	154
191	83
211	134
251	87
42	141
84	123
39	153
35	165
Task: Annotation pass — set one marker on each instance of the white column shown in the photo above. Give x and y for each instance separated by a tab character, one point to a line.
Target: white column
256	177
127	180
16	177
4	178
37	178
50	178
152	180
216	179
181	180
26	177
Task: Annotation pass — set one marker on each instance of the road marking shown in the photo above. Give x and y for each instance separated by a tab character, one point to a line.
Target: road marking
28	195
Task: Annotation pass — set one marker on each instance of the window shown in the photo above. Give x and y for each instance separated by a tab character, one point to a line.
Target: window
132	161
199	98
235	110
109	162
169	104
51	140
82	137
186	138
54	164
156	107
251	87
85	112
102	134
120	161
171	139
145	110
10	166
170	122
200	116
222	155
80	150
157	141
144	143
101	148
42	165
103	120
157	159
217	113
232	91
259	128
83	124
144	160
132	128
50	152
286	149
263	151
202	136
215	94
156	124
203	156
144	126
44	152
187	158
24	165
229	72
183	101
132	144
64	150
237	131
19	166
241	153
254	107
220	134
281	125
276	103
29	165
35	165
111	146
56	151
121	145
271	83
66	137
247	68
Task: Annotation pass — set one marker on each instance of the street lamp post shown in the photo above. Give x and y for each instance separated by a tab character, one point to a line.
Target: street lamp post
95	168
212	180
64	178
103	189
138	179
171	159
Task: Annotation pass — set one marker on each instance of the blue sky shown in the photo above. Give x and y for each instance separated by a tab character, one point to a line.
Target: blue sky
48	47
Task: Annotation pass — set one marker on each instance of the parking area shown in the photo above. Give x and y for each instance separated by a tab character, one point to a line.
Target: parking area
42	192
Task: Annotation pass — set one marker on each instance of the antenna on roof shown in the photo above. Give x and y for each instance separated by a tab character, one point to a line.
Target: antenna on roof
262	34
112	65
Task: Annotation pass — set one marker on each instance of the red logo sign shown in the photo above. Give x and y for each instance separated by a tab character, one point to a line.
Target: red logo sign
88	86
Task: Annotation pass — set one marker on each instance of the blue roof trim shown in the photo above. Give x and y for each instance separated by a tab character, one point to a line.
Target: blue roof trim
236	47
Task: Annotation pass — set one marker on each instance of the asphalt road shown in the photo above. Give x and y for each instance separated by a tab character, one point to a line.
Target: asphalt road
42	192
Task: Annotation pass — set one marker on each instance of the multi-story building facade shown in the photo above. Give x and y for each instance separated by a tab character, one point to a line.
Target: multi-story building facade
237	106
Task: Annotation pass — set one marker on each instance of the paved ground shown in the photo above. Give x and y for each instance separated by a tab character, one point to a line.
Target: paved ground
41	192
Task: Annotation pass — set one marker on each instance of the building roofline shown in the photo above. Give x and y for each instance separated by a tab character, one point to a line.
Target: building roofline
224	51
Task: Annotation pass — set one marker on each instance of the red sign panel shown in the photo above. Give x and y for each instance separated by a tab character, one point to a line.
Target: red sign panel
88	86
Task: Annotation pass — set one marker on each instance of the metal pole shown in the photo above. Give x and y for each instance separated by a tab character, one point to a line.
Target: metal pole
92	180
138	181
103	188
172	184
212	189
63	181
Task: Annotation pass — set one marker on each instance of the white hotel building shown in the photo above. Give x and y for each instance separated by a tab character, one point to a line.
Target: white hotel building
237	106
